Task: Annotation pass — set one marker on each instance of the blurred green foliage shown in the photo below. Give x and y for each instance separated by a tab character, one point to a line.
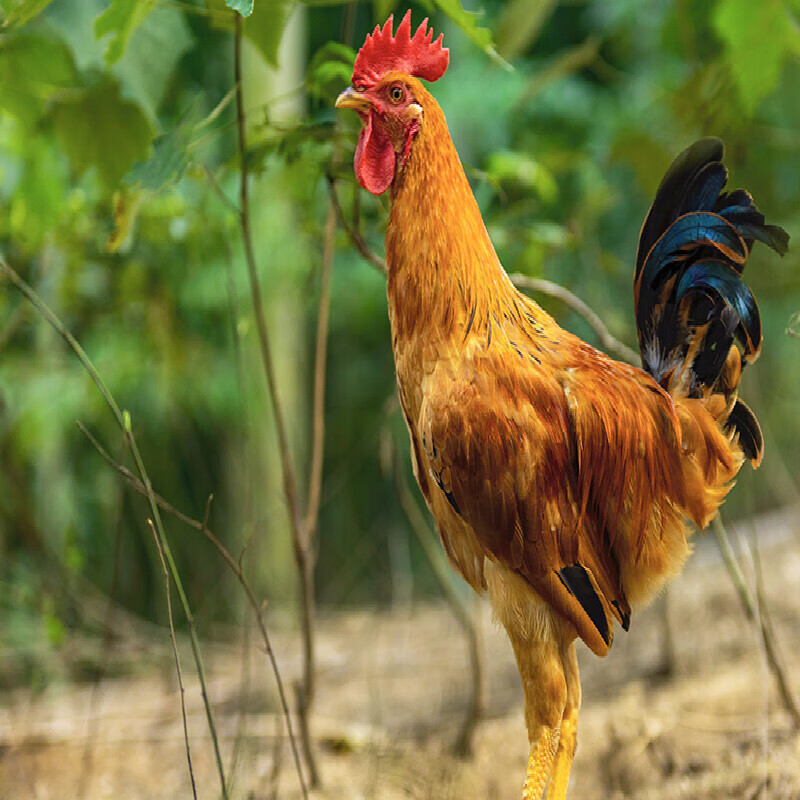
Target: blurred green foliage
118	193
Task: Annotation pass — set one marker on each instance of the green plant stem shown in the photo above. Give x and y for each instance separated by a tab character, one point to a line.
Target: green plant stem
123	420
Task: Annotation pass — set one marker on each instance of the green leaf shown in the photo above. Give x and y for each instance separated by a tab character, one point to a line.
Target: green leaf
170	156
121	19
244	7
265	27
152	57
18	13
758	37
330	70
520	23
98	128
54	629
468	23
32	69
522	168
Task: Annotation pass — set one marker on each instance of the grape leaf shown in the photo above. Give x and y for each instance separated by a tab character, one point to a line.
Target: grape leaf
32	69
96	127
121	19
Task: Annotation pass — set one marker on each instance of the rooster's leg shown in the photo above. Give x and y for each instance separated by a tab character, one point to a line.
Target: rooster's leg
559	774
545	686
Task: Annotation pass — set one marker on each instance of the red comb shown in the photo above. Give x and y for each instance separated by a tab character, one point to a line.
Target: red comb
383	52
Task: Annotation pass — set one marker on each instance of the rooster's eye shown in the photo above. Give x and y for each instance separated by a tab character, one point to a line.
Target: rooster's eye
396	94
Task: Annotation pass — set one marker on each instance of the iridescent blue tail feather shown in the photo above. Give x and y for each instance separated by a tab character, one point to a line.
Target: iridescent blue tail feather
698	321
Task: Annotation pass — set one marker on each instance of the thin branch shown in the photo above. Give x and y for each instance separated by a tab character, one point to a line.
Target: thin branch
323	320
302	552
124	421
219	191
749	604
443	576
175	653
607	341
233	566
355	237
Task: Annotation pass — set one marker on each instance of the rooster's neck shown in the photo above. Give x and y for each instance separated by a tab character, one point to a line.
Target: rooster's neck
443	270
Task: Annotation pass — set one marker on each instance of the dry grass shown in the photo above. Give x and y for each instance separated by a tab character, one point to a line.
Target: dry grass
393	687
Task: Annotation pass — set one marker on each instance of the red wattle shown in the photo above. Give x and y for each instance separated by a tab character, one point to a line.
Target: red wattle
375	159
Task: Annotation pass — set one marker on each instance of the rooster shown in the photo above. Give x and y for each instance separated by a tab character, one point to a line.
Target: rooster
560	480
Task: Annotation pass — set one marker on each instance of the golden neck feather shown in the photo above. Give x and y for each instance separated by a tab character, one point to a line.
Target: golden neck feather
443	269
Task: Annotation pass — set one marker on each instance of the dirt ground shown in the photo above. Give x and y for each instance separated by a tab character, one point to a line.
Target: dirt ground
394	687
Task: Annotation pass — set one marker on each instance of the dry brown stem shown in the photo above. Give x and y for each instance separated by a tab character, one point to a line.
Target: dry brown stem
301	536
175	654
233	566
757	612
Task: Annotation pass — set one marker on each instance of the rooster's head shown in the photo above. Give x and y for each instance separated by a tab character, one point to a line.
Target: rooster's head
386	94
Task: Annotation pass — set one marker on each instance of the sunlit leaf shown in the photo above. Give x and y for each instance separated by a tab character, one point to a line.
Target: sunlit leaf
98	128
18	13
793	328
121	19
759	37
126	204
265	27
244	7
468	23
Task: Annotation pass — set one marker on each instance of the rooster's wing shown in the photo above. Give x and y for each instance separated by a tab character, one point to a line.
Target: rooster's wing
541	461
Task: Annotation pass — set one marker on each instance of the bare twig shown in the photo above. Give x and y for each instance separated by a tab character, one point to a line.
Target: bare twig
218	190
323	318
175	653
303	552
751	611
607	341
433	554
124	421
355	237
137	484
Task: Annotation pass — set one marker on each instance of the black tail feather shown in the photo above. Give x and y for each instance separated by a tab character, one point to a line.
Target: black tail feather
692	305
744	422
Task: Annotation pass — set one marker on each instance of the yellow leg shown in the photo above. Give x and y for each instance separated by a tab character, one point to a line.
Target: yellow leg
540	761
559	774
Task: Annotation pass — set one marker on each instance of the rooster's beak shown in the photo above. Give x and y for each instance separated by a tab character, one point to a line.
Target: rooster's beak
350	98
